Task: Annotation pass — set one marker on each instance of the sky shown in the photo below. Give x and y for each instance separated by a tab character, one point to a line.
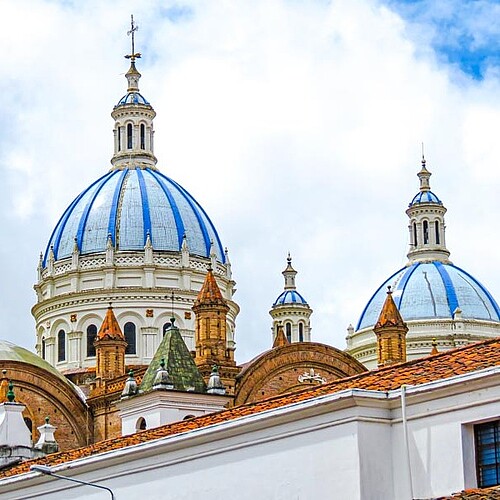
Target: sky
296	124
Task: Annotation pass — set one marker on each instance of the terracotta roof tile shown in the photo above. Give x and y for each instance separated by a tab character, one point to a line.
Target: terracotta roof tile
110	328
475	494
460	361
210	292
389	315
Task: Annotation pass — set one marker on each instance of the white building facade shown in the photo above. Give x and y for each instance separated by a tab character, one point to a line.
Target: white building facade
352	444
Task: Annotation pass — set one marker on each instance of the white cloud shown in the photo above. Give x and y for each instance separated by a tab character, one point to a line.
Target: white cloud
297	125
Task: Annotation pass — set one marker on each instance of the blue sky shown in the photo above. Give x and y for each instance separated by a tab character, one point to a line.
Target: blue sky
297	125
463	33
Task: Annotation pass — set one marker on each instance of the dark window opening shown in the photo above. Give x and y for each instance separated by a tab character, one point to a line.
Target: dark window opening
415	234
143	136
119	132
426	232
301	332
141	424
288	331
61	345
129	136
43	348
488	453
129	332
436	225
91	335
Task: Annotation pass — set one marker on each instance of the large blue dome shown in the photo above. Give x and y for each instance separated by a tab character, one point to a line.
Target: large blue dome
432	290
128	205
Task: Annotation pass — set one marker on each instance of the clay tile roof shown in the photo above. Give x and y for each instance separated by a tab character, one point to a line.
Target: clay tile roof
389	315
475	494
110	329
210	292
470	358
280	340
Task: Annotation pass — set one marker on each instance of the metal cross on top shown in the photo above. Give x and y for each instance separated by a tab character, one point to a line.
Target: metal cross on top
133	28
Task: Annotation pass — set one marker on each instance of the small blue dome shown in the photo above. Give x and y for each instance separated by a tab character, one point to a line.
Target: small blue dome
129	204
425	197
290	297
132	98
432	290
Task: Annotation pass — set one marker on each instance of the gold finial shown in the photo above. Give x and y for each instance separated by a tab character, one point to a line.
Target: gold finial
133	28
423	156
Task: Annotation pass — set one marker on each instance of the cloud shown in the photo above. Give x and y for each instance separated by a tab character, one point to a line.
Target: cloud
296	125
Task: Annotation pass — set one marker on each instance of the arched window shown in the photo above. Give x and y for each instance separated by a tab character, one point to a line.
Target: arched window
301	332
426	232
288	331
129	332
61	345
187	417
436	226
415	233
91	335
143	136
119	138
166	326
43	348
141	424
129	136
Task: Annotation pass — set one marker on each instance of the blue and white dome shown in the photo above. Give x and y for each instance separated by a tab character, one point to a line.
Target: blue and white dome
128	205
432	290
425	197
132	98
290	297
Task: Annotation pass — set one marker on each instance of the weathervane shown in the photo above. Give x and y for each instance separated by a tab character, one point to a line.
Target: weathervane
133	28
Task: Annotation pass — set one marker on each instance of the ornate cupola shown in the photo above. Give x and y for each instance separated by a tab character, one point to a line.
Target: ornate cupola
291	311
391	333
133	115
427	227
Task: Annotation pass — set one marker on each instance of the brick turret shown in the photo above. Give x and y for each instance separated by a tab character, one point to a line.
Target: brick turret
390	330
110	347
211	346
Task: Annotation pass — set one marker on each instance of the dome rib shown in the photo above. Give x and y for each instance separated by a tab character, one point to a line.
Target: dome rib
402	283
113	214
484	290
201	223
451	295
55	237
86	211
181	230
145	204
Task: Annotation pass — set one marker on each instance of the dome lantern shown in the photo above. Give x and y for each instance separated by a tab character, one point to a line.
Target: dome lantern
133	115
427	226
290	310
